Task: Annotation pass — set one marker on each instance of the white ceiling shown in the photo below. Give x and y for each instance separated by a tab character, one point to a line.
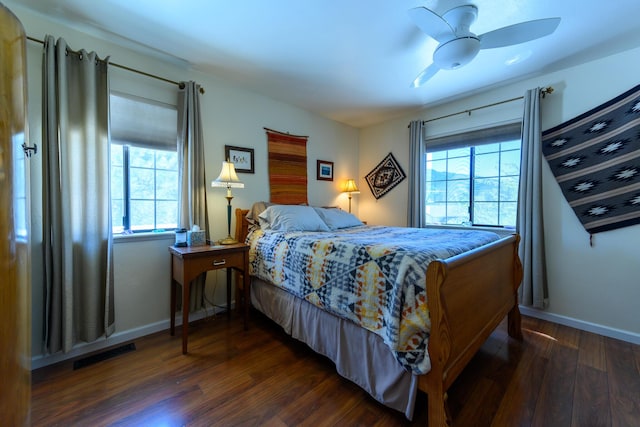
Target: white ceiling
350	60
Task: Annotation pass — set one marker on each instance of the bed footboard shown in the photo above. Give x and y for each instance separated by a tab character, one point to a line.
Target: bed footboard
468	296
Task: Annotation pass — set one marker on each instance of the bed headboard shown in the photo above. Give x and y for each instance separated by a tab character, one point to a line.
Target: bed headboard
242	225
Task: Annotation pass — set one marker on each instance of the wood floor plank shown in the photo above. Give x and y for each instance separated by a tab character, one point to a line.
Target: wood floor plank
591	398
324	402
261	376
555	402
479	393
523	389
103	388
275	422
568	337
591	351
481	406
340	410
264	401
541	334
172	411
465	387
624	383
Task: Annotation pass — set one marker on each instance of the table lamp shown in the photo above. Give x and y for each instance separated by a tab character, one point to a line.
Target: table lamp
350	188
229	179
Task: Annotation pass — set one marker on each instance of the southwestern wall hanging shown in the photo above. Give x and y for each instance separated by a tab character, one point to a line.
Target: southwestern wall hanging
385	176
287	167
595	158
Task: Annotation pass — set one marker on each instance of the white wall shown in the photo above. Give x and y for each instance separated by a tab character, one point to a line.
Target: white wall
231	116
595	288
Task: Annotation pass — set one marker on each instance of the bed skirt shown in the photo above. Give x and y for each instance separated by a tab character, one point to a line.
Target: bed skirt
359	355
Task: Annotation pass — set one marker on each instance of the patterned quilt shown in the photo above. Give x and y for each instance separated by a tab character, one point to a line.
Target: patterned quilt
373	276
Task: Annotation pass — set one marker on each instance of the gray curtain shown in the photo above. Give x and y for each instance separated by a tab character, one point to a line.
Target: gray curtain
192	198
416	208
77	242
533	290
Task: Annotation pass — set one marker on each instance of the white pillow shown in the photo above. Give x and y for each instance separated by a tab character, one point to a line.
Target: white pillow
291	218
337	218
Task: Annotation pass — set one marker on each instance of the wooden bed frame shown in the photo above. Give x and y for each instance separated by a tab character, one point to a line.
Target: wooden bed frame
468	296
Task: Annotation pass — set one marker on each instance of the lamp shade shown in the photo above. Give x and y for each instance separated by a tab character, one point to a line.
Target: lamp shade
228	177
350	187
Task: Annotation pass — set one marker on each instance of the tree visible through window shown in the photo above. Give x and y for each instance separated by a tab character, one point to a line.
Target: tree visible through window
144	166
473	185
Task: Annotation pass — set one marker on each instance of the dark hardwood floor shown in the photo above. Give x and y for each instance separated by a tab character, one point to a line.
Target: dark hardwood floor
558	376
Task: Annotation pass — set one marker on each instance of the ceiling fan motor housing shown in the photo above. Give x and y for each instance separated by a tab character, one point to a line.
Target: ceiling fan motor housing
456	53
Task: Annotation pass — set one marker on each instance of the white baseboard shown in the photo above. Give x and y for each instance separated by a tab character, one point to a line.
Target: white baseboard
41	361
606	331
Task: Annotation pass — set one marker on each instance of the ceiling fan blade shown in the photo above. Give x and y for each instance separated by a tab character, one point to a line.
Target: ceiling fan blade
425	75
518	33
432	24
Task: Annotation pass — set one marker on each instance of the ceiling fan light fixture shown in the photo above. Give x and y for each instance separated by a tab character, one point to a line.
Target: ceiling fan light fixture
456	53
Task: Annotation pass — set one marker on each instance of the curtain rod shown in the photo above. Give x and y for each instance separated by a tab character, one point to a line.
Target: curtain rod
124	67
284	133
547	90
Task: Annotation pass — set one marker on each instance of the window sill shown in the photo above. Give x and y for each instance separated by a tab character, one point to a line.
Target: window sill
502	231
139	237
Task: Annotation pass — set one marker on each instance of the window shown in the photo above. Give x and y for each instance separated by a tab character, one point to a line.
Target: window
144	165
472	179
20	187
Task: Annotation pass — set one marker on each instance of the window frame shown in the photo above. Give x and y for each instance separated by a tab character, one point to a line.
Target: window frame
472	139
127	140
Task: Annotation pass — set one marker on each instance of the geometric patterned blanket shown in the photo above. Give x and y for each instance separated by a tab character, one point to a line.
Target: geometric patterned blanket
595	158
373	276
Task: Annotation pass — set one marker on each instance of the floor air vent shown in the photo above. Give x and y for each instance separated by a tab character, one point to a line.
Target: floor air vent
108	354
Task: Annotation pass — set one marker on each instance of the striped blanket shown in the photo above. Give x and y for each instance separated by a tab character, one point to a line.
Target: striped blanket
595	158
373	276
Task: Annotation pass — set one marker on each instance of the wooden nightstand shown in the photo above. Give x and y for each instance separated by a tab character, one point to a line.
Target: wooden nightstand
189	262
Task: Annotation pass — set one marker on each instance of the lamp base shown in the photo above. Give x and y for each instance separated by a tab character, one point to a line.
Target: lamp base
228	241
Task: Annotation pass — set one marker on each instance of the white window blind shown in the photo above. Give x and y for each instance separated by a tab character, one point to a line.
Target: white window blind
143	122
491	135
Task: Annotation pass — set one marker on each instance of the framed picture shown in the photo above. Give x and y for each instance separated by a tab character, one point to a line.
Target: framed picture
242	158
325	170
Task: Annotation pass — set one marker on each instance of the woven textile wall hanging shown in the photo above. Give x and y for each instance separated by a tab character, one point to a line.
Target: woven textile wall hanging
595	158
385	176
287	167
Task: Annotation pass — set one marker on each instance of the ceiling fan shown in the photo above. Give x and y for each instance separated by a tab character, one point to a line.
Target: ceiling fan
458	45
